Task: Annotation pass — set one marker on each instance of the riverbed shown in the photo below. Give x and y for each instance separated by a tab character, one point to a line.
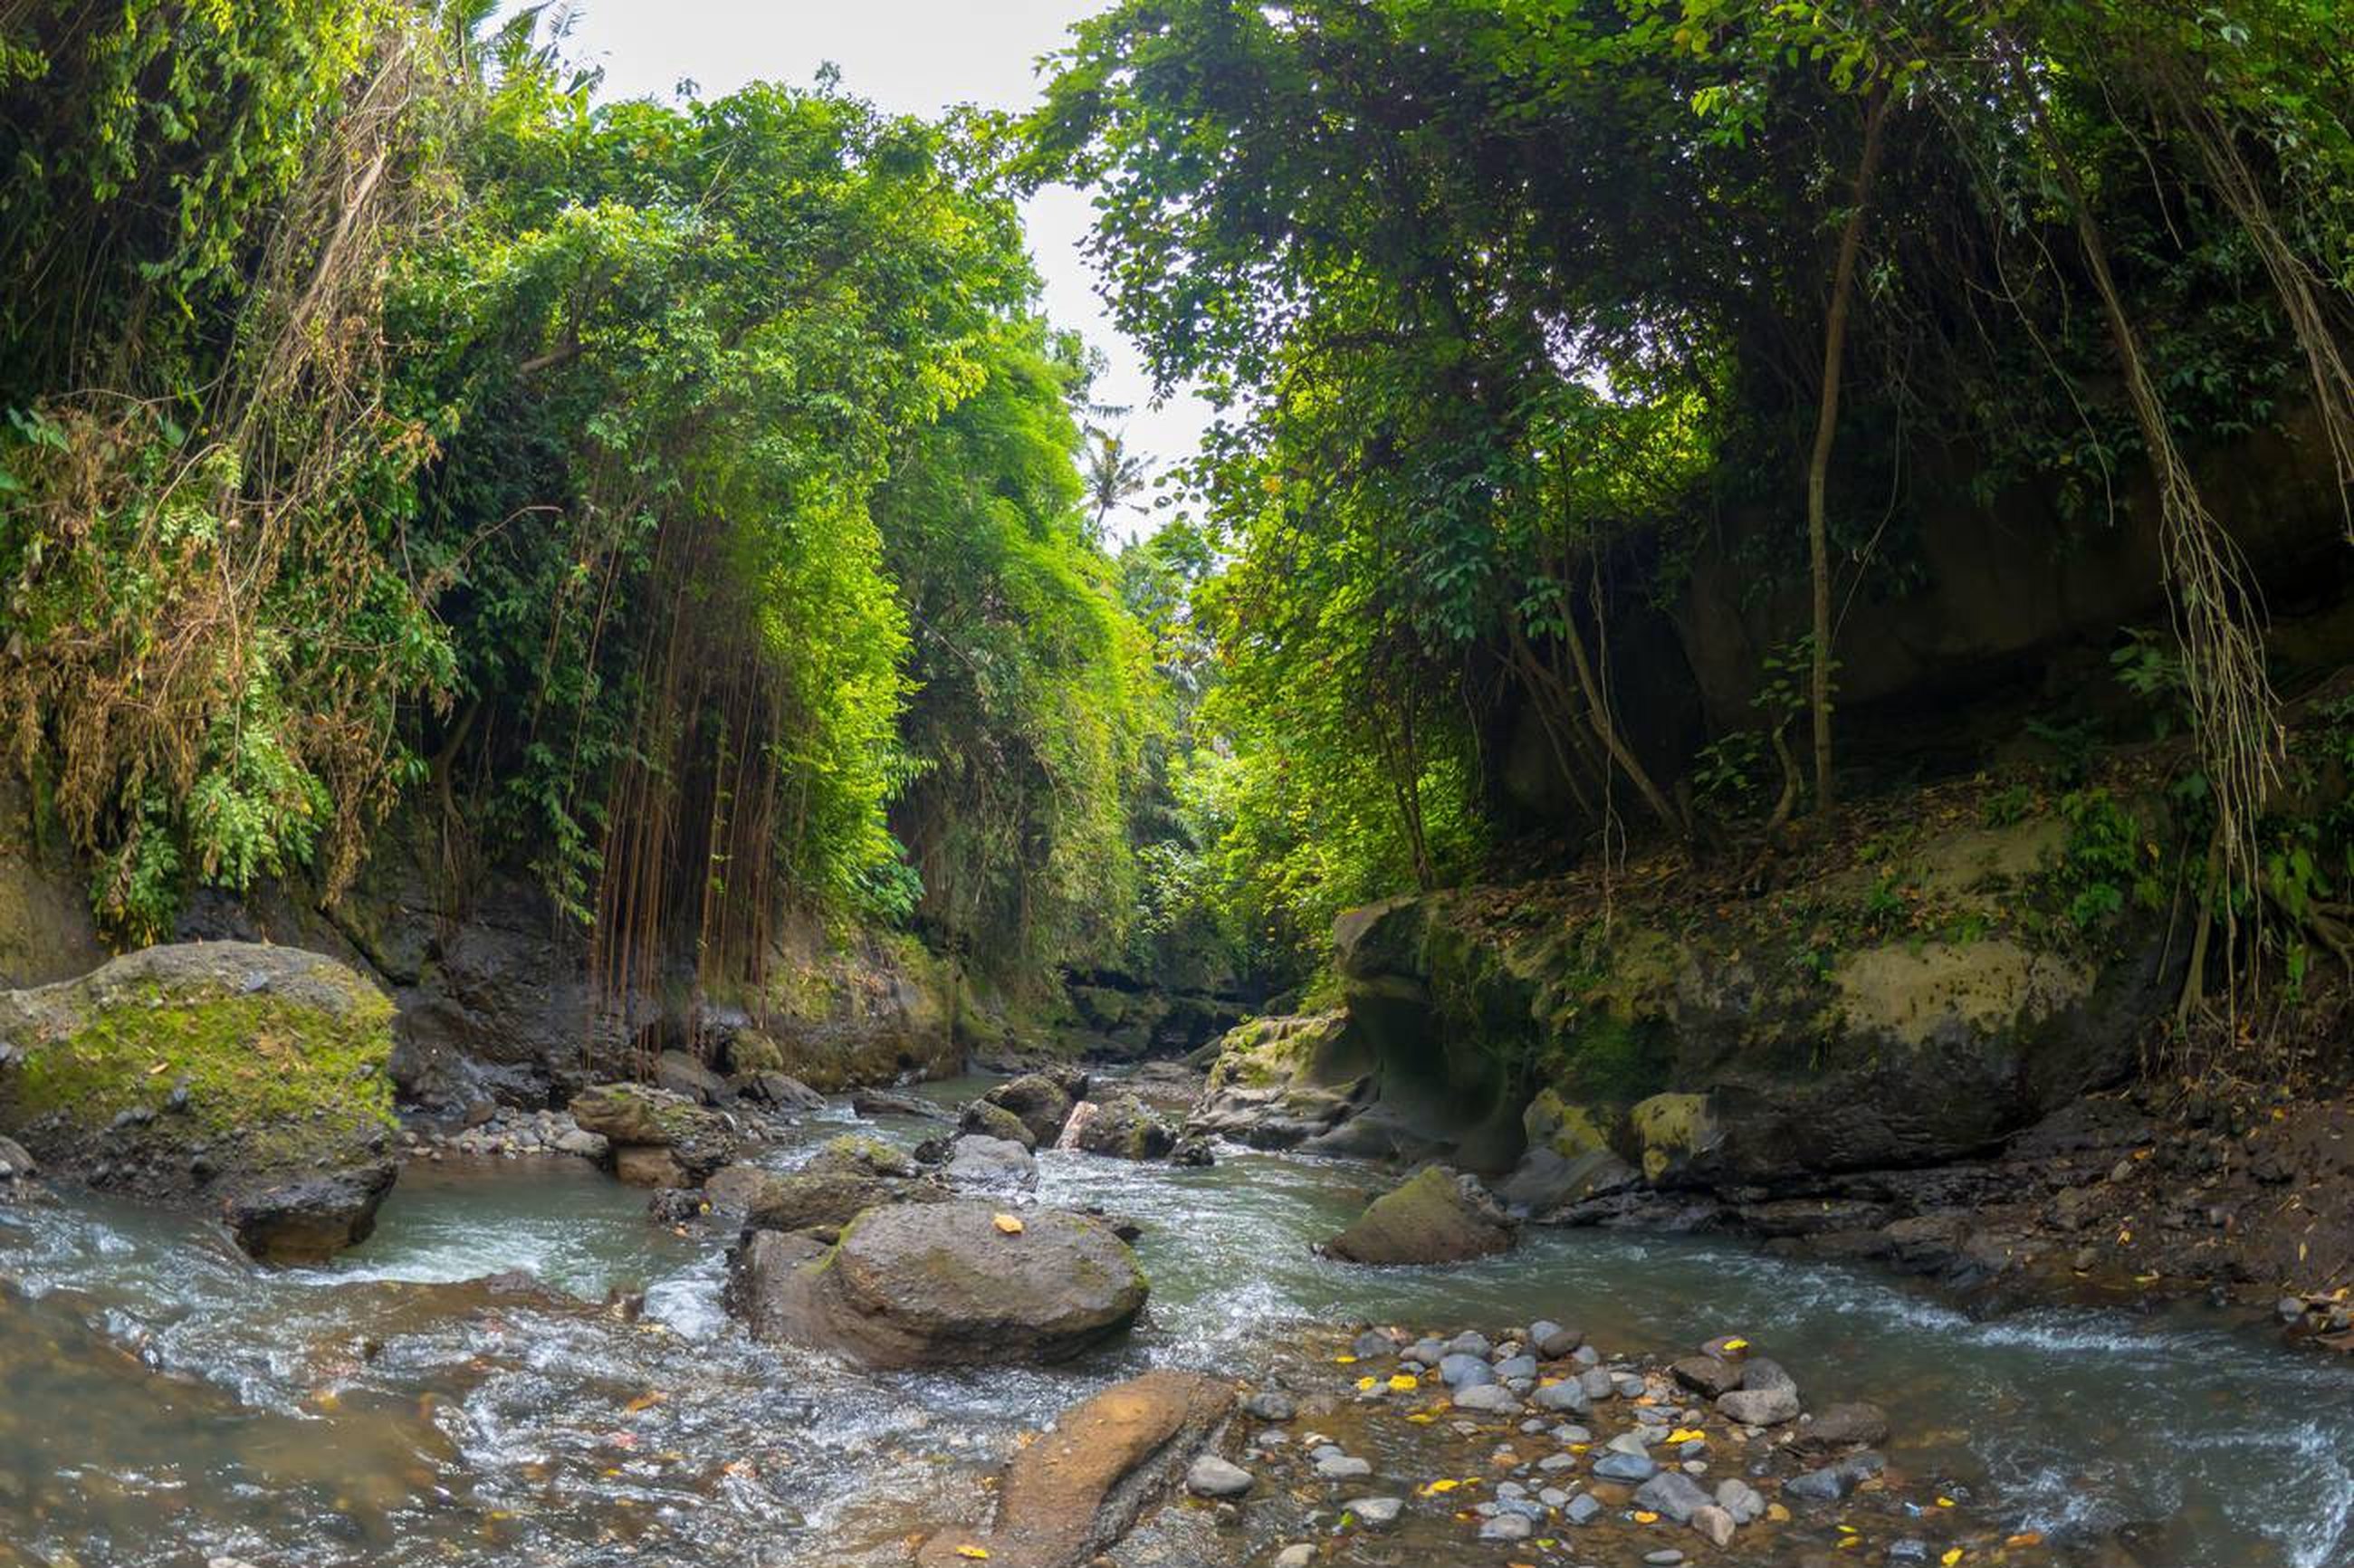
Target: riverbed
521	1368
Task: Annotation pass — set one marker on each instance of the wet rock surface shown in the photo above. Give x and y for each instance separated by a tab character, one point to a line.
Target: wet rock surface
1434	1216
950	1283
1080	1487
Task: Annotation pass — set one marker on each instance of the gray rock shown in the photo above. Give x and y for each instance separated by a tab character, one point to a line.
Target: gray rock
1625	1467
1270	1404
1379	1513
1459	1371
1743	1501
1470	1343
1343	1467
1553	1342
1566	1395
1597	1383
1299	1554
1673	1493
977	1161
1665	1557
1489	1398
1760	1407
1516	1367
1211	1476
943	1284
309	1220
1582	1509
1707	1376
1715	1523
1507	1527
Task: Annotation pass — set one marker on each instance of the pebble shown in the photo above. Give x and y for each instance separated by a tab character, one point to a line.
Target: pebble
1271	1405
1742	1501
1568	1396
1376	1512
1582	1509
1714	1524
1211	1476
1469	1344
1517	1367
1664	1557
1489	1397
1343	1467
1507	1527
1462	1370
1297	1555
1625	1468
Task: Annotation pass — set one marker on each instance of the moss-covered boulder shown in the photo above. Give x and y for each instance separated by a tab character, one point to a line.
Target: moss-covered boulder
1041	1101
1434	1216
1123	1127
637	1120
205	1071
987	1118
945	1284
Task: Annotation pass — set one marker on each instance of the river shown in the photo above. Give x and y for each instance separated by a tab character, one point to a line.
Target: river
167	1402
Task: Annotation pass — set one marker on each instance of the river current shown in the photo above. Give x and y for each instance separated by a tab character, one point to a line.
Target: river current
474	1385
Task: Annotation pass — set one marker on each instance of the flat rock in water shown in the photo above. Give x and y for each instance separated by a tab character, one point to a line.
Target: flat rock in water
1434	1217
1078	1489
943	1284
1211	1476
309	1220
992	1164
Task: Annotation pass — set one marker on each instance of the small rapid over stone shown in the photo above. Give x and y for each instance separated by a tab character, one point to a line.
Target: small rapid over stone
520	1367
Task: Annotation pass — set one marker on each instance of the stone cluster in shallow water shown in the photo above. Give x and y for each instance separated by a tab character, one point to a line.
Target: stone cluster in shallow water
1535	1446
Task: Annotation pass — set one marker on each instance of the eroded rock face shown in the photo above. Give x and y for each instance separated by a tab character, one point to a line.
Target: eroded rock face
205	1071
1077	1490
1435	1217
943	1284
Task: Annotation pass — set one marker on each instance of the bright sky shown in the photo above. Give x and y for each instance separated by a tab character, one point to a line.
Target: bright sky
911	56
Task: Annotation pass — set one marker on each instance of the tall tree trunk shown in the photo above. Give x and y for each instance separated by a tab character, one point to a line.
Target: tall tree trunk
1818	466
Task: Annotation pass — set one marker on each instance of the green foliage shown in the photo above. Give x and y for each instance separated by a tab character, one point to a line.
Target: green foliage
2106	862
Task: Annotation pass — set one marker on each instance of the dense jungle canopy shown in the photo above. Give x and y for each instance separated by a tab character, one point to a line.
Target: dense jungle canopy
692	504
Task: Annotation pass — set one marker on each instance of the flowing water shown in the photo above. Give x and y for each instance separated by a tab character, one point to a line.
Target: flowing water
166	1402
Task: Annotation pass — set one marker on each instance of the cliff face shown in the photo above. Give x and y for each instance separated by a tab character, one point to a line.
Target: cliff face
491	988
1910	1003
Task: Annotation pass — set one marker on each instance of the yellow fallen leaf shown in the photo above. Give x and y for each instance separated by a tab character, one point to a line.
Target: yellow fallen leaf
1777	1513
1645	1516
1344	1361
2026	1538
646	1401
1736	1344
978	1554
1687	1434
1011	1226
1952	1557
1440	1487
1368	1382
1945	1502
1846	1542
1405	1383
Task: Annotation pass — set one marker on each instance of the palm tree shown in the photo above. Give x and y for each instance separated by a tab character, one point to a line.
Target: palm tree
1115	475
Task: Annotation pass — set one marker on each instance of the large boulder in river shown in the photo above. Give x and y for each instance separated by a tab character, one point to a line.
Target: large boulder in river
1078	1489
944	1283
639	1121
987	1118
1123	1128
1435	1217
203	1070
1042	1102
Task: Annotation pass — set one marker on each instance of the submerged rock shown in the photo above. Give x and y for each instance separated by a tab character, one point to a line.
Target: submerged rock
947	1283
200	1069
1077	1490
1435	1217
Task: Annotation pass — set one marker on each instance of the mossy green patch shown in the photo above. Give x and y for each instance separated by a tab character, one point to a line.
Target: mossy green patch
276	1070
